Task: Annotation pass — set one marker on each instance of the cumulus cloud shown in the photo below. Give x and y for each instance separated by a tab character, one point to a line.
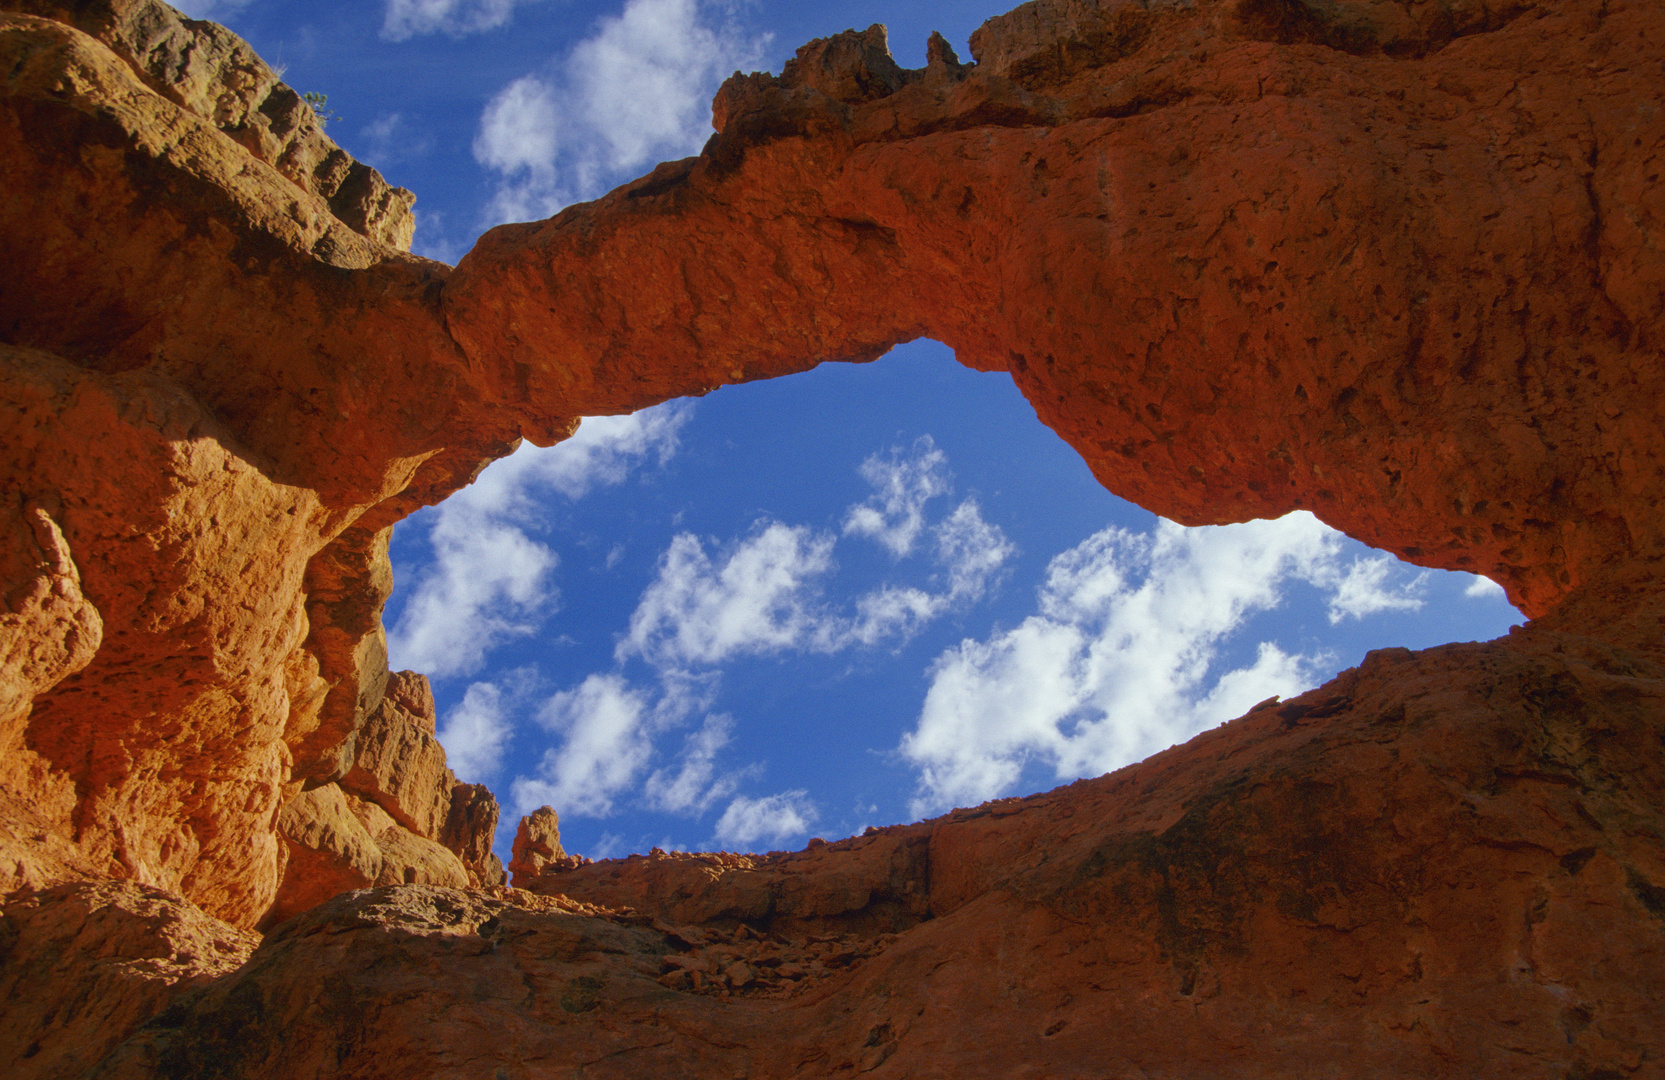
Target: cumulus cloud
970	552
695	783
605	744
1365	589
1482	587
756	600
763	595
758	595
750	823
635	92
1121	659
475	732
408	18
904	482
488	580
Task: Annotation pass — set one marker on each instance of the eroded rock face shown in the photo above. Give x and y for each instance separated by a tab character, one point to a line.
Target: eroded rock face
1393	262
1388	262
1442	863
233	554
83	965
537	846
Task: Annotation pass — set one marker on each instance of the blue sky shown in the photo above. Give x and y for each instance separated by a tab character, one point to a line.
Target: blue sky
797	608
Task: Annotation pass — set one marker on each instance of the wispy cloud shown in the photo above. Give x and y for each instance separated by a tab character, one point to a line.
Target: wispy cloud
1367	588
760	595
489	580
391	138
751	823
903	483
1122	658
756	600
605	744
763	594
694	782
409	18
212	9
635	92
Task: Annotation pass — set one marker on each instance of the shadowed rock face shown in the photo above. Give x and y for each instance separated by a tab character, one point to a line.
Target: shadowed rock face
1443	863
1397	263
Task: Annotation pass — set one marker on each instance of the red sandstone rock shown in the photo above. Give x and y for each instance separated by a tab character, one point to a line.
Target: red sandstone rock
470	830
397	816
1393	262
1389	266
537	846
83	965
1445	863
397	762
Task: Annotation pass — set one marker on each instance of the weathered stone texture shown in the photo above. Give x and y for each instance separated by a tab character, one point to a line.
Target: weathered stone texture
1442	863
83	965
1394	262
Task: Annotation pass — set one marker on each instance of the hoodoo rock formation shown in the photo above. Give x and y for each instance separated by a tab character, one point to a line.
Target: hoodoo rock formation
1397	262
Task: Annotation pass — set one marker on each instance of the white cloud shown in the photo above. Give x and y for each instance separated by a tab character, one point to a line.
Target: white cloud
695	784
758	595
636	91
904	482
475	732
1121	660
605	746
519	138
408	18
773	819
486	583
489	580
1364	590
970	551
756	601
1482	587
606	448
765	598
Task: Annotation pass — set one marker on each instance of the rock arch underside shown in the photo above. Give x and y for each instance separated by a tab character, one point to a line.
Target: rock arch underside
1400	263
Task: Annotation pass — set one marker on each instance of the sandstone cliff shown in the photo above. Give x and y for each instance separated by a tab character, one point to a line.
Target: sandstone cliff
1397	262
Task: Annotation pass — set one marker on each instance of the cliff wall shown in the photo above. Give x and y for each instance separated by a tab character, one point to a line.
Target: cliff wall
1397	263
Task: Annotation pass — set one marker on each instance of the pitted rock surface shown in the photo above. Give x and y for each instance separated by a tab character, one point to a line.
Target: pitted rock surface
1393	262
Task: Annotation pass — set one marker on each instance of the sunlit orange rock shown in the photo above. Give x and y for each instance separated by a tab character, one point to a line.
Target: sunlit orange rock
1393	263
1396	263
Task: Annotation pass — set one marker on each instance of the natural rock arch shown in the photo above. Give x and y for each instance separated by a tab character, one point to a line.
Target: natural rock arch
1396	263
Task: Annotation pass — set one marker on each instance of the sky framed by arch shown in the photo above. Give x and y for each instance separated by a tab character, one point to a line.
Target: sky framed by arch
852	597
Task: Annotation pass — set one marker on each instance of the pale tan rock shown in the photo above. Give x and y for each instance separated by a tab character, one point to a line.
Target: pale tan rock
329	851
398	763
48	628
83	965
407	859
338	842
537	845
207	69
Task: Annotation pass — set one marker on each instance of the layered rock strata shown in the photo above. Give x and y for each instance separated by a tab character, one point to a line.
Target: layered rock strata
1397	263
